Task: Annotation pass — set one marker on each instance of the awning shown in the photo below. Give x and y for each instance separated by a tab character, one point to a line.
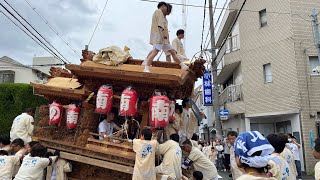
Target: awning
226	72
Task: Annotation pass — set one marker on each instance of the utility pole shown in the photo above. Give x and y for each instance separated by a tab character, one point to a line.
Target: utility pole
316	31
214	67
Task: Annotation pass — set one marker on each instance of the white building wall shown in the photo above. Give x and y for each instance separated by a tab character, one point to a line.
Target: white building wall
43	61
234	123
21	74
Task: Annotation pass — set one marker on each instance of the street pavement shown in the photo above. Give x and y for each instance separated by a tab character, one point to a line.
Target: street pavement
225	175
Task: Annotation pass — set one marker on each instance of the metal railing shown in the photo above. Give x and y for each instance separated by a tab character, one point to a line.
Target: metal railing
232	44
231	94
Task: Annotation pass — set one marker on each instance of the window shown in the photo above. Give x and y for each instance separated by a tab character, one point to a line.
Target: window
313	63
263	18
267	73
8	78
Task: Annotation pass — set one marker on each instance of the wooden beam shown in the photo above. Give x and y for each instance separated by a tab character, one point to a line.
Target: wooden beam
96	162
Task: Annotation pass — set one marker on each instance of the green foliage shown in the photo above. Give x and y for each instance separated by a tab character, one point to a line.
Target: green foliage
14	99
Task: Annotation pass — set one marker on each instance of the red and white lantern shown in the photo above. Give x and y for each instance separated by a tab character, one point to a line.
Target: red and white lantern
159	111
104	99
172	111
72	116
55	113
129	102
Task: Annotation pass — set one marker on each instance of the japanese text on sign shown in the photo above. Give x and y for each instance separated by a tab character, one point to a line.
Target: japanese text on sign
207	89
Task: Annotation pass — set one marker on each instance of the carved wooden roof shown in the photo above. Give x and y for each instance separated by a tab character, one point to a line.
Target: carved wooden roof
163	75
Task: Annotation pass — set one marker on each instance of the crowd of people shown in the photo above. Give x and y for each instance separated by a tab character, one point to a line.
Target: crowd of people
21	158
251	156
22	161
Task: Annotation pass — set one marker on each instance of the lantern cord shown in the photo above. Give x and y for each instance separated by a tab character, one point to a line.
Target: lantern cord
125	128
138	131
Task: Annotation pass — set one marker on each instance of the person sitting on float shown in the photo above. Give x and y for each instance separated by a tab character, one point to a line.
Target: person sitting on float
107	125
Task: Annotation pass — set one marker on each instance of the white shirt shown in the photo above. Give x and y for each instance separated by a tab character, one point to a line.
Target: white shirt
203	164
283	167
251	177
227	147
171	164
178	47
32	168
144	166
295	150
22	128
317	171
20	154
7	164
106	127
236	173
288	156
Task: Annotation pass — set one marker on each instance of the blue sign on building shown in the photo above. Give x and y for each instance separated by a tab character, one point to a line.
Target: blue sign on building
207	89
224	112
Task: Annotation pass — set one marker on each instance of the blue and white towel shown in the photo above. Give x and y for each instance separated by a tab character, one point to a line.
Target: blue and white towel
248	143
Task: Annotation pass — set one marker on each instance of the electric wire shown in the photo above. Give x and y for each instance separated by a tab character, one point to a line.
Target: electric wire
105	5
199	6
30	31
52	28
214	11
204	19
37	32
28	34
216	24
230	31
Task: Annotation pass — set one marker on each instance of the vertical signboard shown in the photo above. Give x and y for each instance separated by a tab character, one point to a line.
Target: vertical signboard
207	89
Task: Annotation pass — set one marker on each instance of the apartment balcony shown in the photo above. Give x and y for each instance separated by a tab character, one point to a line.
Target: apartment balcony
232	44
232	99
231	94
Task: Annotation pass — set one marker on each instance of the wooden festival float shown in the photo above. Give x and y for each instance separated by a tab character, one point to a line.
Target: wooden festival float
104	159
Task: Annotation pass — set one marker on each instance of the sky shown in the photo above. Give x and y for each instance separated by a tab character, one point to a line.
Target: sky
124	23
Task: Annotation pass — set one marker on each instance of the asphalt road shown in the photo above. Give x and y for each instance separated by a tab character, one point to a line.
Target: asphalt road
225	175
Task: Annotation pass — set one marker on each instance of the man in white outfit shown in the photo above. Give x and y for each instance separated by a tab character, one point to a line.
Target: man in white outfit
159	37
178	46
171	164
235	171
22	126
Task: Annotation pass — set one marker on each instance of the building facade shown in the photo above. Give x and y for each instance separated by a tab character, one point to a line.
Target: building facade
12	71
266	75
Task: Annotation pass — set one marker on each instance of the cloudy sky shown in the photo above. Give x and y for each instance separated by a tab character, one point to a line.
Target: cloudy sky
124	22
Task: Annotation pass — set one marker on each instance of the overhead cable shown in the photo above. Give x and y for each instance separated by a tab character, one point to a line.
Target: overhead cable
29	35
105	5
199	6
214	11
30	32
52	28
204	19
230	31
220	15
37	32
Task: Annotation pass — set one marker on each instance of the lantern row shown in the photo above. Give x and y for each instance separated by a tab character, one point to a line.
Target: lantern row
161	109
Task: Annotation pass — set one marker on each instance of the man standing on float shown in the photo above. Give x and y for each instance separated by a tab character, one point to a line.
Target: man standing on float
159	37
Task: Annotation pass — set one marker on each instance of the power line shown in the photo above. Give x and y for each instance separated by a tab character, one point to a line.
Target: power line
220	15
28	35
105	5
230	31
30	66
204	19
214	11
198	6
37	31
46	21
30	31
